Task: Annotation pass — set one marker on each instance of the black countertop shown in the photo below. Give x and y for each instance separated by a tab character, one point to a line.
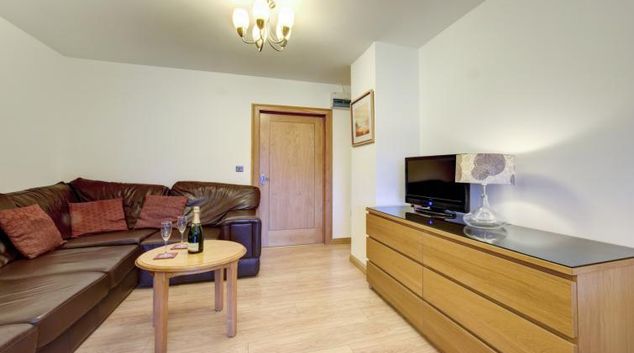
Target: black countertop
557	248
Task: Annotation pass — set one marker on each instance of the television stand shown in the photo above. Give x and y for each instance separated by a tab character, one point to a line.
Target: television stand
433	213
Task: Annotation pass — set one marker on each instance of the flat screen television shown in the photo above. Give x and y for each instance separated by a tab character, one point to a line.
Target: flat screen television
431	188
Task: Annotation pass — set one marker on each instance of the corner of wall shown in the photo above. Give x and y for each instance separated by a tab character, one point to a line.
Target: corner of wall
377	169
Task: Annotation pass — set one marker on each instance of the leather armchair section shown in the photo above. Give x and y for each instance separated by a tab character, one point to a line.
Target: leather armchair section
216	199
54	201
133	195
5	202
245	230
18	338
7	251
114	261
52	303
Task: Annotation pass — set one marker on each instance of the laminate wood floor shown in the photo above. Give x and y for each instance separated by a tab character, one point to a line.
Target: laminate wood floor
306	299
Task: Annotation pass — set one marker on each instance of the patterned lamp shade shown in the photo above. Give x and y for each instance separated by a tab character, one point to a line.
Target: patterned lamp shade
485	168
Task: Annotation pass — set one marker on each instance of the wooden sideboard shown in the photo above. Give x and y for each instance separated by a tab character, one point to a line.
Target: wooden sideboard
468	296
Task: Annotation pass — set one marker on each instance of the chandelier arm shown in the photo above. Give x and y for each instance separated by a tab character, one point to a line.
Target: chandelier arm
273	36
244	40
276	46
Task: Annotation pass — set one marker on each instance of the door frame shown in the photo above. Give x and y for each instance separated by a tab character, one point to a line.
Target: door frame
325	114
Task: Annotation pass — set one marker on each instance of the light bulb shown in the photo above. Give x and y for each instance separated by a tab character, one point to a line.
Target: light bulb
261	10
255	32
286	17
282	32
240	18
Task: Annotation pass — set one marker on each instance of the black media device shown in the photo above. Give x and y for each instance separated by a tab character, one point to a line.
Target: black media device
431	188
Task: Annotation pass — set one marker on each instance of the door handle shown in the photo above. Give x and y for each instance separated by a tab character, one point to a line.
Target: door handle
263	179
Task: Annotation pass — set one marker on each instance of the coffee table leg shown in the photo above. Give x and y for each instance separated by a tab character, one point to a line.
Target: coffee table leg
232	298
153	303
161	290
219	281
154	309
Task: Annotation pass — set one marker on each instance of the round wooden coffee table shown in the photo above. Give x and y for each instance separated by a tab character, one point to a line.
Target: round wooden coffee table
217	256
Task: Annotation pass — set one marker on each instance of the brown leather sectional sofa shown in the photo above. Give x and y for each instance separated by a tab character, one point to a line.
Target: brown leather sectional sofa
52	303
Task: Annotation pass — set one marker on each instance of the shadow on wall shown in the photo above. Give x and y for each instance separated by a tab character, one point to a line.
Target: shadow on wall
580	186
539	201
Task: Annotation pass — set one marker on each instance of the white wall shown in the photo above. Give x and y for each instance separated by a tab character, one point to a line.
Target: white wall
377	169
341	132
31	121
161	125
397	130
71	117
362	158
551	81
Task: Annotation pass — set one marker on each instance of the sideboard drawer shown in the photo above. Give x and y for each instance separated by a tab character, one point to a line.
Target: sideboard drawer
405	270
546	298
448	336
405	302
397	236
501	328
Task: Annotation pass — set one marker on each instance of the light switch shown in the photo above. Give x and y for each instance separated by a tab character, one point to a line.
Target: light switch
239	168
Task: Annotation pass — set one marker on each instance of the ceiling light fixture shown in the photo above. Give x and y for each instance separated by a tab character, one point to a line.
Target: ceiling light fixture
262	30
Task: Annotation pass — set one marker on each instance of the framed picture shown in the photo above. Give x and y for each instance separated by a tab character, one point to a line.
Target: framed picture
362	119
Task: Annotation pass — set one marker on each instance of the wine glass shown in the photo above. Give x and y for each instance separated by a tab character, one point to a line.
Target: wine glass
181	224
166	232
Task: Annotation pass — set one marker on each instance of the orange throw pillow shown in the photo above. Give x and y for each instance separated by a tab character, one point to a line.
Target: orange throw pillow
159	208
31	230
96	217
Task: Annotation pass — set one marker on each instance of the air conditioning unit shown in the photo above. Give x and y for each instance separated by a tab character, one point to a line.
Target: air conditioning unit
341	100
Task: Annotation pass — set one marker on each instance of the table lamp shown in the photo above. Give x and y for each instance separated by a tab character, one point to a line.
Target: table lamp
485	169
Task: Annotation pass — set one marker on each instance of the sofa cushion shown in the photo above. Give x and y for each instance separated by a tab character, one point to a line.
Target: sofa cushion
156	209
18	338
97	217
8	252
52	303
115	261
216	199
127	237
132	194
30	230
54	201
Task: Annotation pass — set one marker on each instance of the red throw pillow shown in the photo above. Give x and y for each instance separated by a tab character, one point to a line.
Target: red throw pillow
31	230
159	208
96	217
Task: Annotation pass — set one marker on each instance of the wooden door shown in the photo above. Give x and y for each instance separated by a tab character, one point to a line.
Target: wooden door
291	177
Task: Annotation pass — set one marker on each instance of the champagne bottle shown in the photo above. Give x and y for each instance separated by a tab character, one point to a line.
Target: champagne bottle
195	239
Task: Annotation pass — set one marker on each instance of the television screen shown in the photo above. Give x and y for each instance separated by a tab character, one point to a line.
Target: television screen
430	182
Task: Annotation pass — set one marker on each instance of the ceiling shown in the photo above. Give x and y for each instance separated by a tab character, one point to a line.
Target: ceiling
198	34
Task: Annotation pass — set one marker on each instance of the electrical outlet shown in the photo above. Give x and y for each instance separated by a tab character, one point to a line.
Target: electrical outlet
239	169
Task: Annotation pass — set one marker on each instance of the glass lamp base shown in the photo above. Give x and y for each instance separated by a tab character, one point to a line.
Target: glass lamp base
484	218
490	236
